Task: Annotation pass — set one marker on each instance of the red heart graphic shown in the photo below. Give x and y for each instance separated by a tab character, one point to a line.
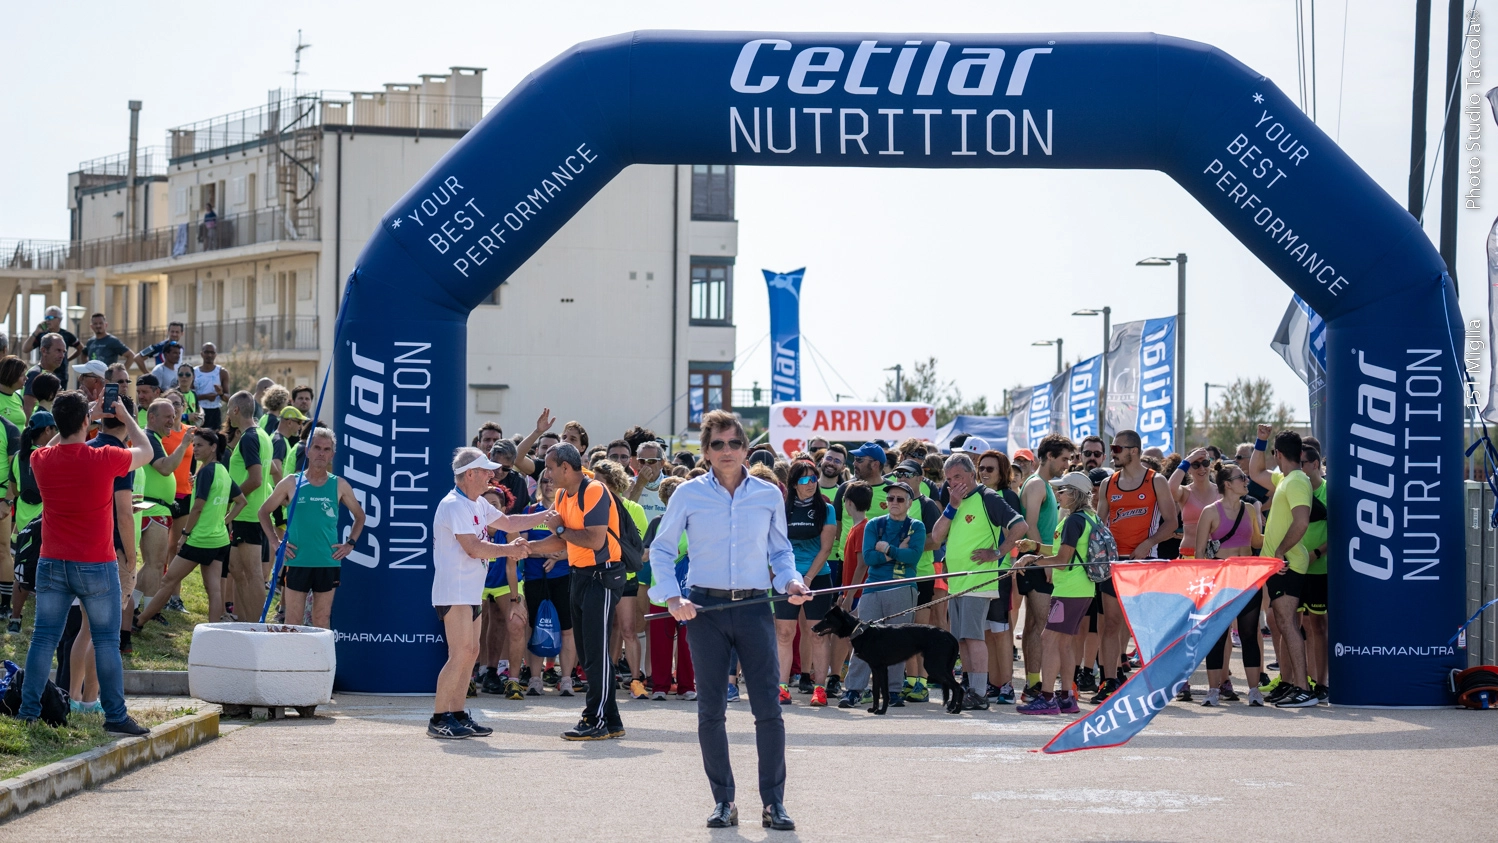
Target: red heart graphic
970	518
884	504
921	415
790	446
793	416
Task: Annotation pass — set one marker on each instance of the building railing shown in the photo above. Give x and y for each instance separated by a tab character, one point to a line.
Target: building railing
262	333
149	161
262	226
403	109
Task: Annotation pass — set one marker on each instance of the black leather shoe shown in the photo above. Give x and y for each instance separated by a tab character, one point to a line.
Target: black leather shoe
775	817
724	815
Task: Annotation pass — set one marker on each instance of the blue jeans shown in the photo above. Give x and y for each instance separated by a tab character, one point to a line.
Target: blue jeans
97	587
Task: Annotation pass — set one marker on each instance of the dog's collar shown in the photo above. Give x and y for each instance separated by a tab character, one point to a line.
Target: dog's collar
858	630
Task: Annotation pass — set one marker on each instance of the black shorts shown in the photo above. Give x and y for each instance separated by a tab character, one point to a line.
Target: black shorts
1106	587
925	592
182	506
26	574
307	578
815	608
1033	579
998	607
1313	594
246	532
1288	584
442	610
205	555
631	588
556	589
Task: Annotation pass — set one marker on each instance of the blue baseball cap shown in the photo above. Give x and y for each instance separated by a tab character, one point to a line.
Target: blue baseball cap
41	419
869	449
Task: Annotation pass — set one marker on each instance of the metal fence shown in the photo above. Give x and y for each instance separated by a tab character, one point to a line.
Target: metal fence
264	333
1482	574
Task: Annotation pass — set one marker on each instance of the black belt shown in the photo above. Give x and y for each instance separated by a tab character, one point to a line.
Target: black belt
735	594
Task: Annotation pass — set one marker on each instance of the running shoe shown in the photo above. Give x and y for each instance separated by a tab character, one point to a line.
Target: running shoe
448	727
785	694
1185	694
14	627
1268	686
161	619
1006	695
972	702
896	701
866	697
77	707
565	687
818	696
917	692
687	696
849	700
637	689
514	690
1323	692
1237	642
1282	690
585	731
834	685
1255	699
534	688
991	693
1030	694
1212	699
174	603
479	731
1040	705
1226	692
1086	680
1297	698
1106	690
733	693
525	675
1067	704
658	695
806	686
492	683
127	727
473	690
1273	665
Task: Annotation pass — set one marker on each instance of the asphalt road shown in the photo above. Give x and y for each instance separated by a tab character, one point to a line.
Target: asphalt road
365	769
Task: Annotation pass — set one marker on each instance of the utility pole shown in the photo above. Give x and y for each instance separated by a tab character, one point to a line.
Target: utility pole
130	174
1451	138
1180	375
1418	108
899	384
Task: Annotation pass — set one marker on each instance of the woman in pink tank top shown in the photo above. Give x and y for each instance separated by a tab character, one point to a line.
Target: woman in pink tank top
1234	525
1193	492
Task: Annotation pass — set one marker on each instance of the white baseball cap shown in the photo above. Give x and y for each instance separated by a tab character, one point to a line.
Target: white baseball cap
468	459
92	367
975	445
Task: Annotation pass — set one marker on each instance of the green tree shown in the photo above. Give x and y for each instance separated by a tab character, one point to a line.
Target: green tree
1244	405
921	382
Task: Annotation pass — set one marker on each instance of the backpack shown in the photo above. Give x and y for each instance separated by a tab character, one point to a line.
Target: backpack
54	700
1102	550
546	638
631	547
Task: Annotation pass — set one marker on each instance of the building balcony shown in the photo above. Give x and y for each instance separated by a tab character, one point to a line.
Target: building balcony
266	225
260	333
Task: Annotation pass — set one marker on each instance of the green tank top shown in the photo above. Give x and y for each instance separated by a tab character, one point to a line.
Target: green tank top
1073	581
972	531
314	525
158	486
210	530
238	473
837	543
25	512
12	409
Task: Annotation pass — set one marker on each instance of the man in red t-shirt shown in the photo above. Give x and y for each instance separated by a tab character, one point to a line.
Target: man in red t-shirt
77	558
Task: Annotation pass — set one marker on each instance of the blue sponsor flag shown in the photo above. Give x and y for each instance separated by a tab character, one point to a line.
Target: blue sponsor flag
785	334
1177	610
1082	383
1038	416
1157	372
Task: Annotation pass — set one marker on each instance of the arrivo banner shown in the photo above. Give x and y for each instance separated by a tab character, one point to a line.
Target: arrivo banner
793	423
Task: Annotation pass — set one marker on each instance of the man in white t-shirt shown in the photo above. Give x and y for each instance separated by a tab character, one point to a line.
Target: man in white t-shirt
460	561
647	463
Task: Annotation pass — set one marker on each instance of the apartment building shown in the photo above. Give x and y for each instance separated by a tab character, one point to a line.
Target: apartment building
244	227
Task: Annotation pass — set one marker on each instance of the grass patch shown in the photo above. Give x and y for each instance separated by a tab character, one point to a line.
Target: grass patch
24	748
157	648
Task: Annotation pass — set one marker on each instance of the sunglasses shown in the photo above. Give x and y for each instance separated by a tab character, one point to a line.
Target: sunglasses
805	479
897	499
1119	449
650	460
1201	464
1092	453
730	444
900	473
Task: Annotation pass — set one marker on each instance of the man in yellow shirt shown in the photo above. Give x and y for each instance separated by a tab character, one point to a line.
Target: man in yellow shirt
1289	515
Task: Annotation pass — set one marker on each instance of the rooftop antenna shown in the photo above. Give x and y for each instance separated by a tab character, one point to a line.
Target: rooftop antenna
297	68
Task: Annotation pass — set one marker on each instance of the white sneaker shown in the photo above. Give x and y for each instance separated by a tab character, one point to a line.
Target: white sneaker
688	695
1212	698
658	695
564	688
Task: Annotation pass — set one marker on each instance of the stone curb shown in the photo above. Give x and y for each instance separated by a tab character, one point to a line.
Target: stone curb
89	769
153	683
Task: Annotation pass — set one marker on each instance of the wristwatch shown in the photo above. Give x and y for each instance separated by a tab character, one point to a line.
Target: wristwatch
561	528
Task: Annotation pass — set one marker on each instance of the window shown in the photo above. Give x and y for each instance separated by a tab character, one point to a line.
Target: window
712	192
268	289
179	298
712	292
707	390
302	283
179	202
236	292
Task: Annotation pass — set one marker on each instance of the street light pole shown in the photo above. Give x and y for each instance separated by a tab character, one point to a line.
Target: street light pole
1207	407
899	392
1056	342
1180	374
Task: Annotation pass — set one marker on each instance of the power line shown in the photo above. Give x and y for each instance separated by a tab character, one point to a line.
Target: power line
1342	73
840	377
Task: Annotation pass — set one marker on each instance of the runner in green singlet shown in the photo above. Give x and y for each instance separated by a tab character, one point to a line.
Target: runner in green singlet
314	554
1038	503
216	501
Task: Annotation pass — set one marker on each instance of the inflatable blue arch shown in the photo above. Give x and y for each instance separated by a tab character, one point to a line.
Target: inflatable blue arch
1137	101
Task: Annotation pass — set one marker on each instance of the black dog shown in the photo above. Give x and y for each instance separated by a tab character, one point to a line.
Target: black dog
885	646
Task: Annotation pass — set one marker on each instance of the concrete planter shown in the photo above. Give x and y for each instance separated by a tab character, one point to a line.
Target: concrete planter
261	664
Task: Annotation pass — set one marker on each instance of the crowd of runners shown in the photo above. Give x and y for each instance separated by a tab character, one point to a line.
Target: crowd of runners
1011	531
